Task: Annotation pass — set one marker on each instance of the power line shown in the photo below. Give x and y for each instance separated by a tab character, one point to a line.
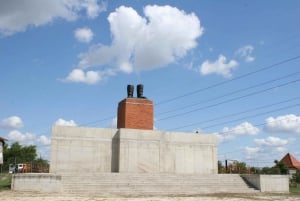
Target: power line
231	93
237	113
97	121
255	125
230	100
212	86
231	80
251	116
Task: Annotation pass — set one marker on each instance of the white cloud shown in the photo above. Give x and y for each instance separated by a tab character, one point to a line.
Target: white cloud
163	36
78	75
271	141
245	52
93	8
84	35
252	152
267	147
12	122
224	137
286	124
245	128
18	15
62	122
20	137
219	67
44	140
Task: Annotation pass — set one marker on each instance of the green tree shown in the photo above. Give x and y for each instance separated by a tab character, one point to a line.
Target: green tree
241	167
268	170
296	177
281	166
17	153
220	167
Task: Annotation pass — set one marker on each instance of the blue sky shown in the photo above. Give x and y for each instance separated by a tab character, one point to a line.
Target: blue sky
229	68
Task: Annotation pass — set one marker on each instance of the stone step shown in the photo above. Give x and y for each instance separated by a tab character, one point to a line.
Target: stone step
153	184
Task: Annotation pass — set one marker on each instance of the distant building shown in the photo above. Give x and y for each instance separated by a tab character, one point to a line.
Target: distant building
2	142
291	163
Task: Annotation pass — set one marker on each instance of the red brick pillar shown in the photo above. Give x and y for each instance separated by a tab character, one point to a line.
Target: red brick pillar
136	113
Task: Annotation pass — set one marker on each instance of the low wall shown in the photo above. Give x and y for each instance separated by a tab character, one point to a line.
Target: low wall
41	182
269	183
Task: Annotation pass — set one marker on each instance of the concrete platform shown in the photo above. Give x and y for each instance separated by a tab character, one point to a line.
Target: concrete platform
81	150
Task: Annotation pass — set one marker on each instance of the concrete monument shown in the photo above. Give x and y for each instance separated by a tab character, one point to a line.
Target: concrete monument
135	159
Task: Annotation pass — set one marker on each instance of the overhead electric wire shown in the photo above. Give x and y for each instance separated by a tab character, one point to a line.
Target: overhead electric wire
93	122
230	100
251	116
231	80
231	93
255	125
237	113
212	86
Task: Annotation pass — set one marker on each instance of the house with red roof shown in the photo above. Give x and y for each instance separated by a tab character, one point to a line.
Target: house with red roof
291	163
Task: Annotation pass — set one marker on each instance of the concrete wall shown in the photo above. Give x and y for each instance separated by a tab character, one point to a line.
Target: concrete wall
167	152
41	182
77	149
269	183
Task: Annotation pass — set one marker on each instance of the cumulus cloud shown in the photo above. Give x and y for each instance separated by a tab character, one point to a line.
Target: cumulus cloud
245	53
44	140
93	8
219	67
20	137
266	147
28	138
18	15
245	128
12	122
283	124
78	75
164	35
62	122
271	141
252	152
84	35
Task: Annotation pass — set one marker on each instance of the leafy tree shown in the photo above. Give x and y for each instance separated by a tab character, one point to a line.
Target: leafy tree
296	177
238	167
220	167
17	153
241	167
268	170
282	167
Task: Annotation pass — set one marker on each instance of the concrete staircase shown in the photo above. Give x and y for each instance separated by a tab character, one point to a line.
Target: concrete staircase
125	184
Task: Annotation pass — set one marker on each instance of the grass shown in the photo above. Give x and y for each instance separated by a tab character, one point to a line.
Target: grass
295	190
5	181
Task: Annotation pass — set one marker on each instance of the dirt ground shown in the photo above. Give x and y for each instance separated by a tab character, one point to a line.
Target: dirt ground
8	195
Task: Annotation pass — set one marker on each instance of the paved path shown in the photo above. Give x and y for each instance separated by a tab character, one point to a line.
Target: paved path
32	196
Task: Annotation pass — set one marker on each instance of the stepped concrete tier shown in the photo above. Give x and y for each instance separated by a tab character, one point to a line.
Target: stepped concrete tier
141	184
94	150
137	184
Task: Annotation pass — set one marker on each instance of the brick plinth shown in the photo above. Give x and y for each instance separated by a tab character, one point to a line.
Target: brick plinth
136	113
